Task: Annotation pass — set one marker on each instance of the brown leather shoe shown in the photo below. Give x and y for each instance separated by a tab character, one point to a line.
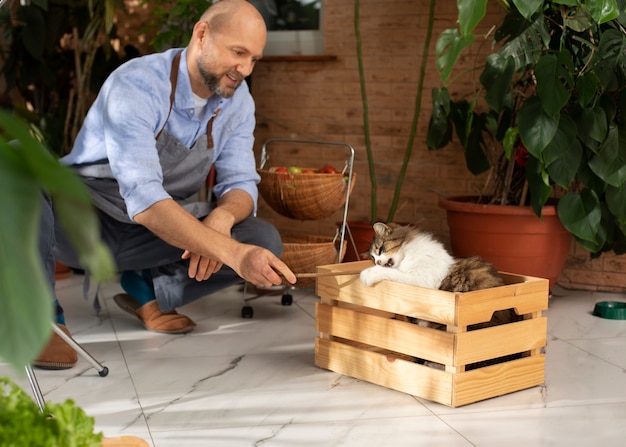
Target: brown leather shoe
152	318
57	354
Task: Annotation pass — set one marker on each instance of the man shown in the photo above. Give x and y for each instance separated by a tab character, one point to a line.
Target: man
158	124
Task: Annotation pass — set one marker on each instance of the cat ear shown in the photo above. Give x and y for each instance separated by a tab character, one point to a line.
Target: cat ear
380	228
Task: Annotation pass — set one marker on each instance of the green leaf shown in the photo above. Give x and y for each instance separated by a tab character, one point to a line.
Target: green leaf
554	81
563	139
471	12
564	153
109	15
580	214
587	86
462	115
449	46
25	320
616	202
509	140
26	169
22	423
580	21
592	127
538	185
610	162
84	234
440	126
610	59
528	7
496	78
525	46
602	10
537	128
73	425
475	150
563	170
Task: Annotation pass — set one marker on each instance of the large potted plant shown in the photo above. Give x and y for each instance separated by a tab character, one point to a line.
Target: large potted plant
362	231
546	121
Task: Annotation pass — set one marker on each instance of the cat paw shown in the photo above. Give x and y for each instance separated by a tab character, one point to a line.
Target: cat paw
368	277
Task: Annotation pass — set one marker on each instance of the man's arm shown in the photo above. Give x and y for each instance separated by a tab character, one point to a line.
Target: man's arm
176	226
232	208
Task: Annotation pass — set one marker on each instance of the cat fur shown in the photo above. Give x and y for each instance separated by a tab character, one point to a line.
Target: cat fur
405	254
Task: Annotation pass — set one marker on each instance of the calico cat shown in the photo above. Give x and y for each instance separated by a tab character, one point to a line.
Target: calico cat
403	253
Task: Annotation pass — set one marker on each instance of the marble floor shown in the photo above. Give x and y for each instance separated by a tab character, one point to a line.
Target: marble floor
253	382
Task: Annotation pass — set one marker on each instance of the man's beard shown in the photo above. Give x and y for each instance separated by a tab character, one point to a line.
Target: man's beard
212	82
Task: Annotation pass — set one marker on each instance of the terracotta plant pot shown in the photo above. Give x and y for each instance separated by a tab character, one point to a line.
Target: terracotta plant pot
513	238
124	441
362	233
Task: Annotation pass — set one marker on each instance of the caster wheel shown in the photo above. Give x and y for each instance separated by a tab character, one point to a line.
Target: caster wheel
247	312
286	300
104	372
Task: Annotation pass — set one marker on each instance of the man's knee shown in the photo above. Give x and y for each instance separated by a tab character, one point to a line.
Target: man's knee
258	232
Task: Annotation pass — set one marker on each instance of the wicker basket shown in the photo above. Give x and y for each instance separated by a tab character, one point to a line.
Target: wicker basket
303	253
304	196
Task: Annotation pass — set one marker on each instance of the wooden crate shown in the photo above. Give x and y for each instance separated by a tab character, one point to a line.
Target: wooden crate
362	336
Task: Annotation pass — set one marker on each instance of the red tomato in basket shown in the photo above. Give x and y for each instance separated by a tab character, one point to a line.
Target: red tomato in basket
328	169
280	169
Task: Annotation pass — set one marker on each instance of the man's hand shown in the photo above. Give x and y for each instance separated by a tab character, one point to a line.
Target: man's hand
201	268
261	268
173	224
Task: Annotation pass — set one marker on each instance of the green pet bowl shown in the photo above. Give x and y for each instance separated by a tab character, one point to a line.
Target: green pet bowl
613	310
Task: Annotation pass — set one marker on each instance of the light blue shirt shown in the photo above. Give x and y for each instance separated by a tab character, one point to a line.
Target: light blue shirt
130	110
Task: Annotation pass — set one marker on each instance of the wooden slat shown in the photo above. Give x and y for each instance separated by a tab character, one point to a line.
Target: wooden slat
497	380
479	306
398	374
524	293
498	341
393	335
418	302
359	338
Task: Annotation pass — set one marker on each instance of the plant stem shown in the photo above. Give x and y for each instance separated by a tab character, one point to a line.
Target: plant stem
366	125
416	113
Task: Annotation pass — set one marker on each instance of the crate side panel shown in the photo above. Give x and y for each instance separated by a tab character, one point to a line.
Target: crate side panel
497	380
418	302
396	374
479	306
498	341
392	335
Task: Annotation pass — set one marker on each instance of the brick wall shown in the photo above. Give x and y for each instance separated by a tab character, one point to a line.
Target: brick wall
321	100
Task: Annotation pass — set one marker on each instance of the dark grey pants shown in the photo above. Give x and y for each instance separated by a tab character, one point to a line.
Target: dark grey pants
136	248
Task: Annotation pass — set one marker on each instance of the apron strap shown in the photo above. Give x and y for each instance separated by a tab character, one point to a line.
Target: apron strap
173	81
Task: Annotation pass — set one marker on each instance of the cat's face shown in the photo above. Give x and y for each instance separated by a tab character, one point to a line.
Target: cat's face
386	248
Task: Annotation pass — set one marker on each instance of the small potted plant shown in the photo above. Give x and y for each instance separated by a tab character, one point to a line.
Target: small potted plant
547	117
60	424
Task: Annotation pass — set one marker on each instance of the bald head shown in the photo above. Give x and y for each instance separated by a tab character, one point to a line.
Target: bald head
222	14
226	43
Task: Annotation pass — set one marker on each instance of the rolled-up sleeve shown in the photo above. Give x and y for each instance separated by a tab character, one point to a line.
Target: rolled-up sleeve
235	163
